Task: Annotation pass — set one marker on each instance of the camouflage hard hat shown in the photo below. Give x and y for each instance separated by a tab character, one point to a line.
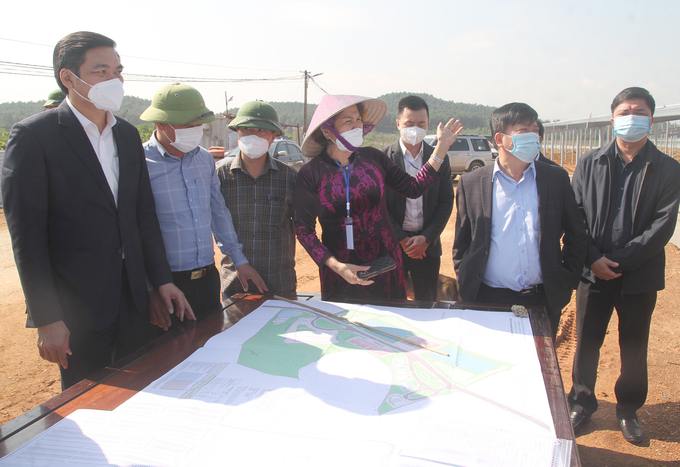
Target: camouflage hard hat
54	99
257	114
178	104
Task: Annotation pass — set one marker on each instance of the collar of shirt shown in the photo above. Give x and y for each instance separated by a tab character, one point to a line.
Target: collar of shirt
497	172
88	125
157	146
636	157
237	164
406	152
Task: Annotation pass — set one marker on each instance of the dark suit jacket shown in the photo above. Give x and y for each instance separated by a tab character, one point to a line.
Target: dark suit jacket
67	234
437	201
558	214
542	158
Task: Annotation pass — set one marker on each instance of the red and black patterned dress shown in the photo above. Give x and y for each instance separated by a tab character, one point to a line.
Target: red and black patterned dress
320	193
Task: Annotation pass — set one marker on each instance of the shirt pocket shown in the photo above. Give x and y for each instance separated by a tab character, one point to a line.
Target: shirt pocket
275	211
203	192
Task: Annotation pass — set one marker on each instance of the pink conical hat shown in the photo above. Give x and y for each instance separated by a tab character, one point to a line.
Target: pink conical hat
330	106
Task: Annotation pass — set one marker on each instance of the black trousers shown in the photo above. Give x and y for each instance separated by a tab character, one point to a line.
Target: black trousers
202	294
93	350
424	275
594	306
488	294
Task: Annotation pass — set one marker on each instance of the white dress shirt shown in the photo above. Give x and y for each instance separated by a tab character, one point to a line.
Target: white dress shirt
413	218
104	146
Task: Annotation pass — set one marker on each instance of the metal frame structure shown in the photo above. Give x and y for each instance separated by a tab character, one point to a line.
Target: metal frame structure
573	136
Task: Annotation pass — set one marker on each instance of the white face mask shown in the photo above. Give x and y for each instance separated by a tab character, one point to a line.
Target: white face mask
354	137
107	95
186	139
413	135
253	146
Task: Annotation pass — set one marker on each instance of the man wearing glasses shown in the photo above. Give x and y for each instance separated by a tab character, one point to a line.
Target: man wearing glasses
189	204
520	238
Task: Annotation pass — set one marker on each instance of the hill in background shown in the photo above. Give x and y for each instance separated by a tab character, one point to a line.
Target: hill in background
475	118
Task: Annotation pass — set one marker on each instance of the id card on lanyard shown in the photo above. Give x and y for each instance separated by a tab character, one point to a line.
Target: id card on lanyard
349	222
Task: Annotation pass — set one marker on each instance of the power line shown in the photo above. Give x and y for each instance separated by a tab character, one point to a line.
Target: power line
25	42
167	61
325	85
317	85
25	69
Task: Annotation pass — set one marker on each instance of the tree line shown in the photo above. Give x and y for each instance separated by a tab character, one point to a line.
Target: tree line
475	117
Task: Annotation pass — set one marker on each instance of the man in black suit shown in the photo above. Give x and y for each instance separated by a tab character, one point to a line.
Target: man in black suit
82	218
511	218
418	223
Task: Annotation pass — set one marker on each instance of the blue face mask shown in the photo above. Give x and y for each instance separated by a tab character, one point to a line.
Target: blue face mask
525	146
631	128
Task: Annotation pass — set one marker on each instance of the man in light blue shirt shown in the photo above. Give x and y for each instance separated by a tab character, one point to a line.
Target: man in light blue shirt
520	238
189	204
514	257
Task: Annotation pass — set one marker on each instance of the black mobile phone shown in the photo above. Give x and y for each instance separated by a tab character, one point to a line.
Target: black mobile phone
378	266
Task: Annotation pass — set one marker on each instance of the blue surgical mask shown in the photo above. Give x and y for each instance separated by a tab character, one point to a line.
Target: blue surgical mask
525	146
631	128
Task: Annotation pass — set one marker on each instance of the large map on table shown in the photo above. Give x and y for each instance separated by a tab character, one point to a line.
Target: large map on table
289	386
296	338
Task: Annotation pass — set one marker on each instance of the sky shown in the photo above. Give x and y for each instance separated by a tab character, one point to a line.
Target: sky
566	59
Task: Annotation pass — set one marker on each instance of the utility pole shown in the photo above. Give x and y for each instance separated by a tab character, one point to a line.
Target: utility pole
304	125
308	76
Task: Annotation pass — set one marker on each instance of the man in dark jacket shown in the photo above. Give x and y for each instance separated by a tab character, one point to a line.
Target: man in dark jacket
541	132
81	213
418	223
628	193
519	235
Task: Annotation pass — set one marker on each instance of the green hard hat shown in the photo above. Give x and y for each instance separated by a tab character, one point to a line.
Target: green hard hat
178	104
257	114
54	99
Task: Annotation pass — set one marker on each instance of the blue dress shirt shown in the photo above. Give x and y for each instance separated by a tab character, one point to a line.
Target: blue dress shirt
190	207
514	261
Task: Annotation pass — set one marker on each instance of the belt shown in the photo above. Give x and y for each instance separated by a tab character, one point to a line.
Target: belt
198	273
413	233
531	291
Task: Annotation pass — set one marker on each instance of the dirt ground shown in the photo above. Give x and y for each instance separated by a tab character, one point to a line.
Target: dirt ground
26	380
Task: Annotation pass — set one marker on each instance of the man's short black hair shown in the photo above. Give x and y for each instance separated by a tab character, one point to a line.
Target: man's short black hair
634	93
541	130
511	114
413	103
70	51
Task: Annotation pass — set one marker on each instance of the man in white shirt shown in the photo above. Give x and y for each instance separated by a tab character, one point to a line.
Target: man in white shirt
81	214
419	222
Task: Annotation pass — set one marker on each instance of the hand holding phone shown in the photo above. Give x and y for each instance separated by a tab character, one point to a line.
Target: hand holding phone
377	267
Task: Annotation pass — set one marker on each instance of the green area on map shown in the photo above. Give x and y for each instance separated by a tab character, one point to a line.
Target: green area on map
294	339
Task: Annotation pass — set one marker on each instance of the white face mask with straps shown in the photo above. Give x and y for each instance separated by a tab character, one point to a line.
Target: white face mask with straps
186	139
413	135
107	95
354	137
253	146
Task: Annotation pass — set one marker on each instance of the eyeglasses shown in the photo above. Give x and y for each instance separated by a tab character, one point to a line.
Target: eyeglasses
200	117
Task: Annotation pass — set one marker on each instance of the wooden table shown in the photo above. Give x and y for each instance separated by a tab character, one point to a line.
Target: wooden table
117	383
